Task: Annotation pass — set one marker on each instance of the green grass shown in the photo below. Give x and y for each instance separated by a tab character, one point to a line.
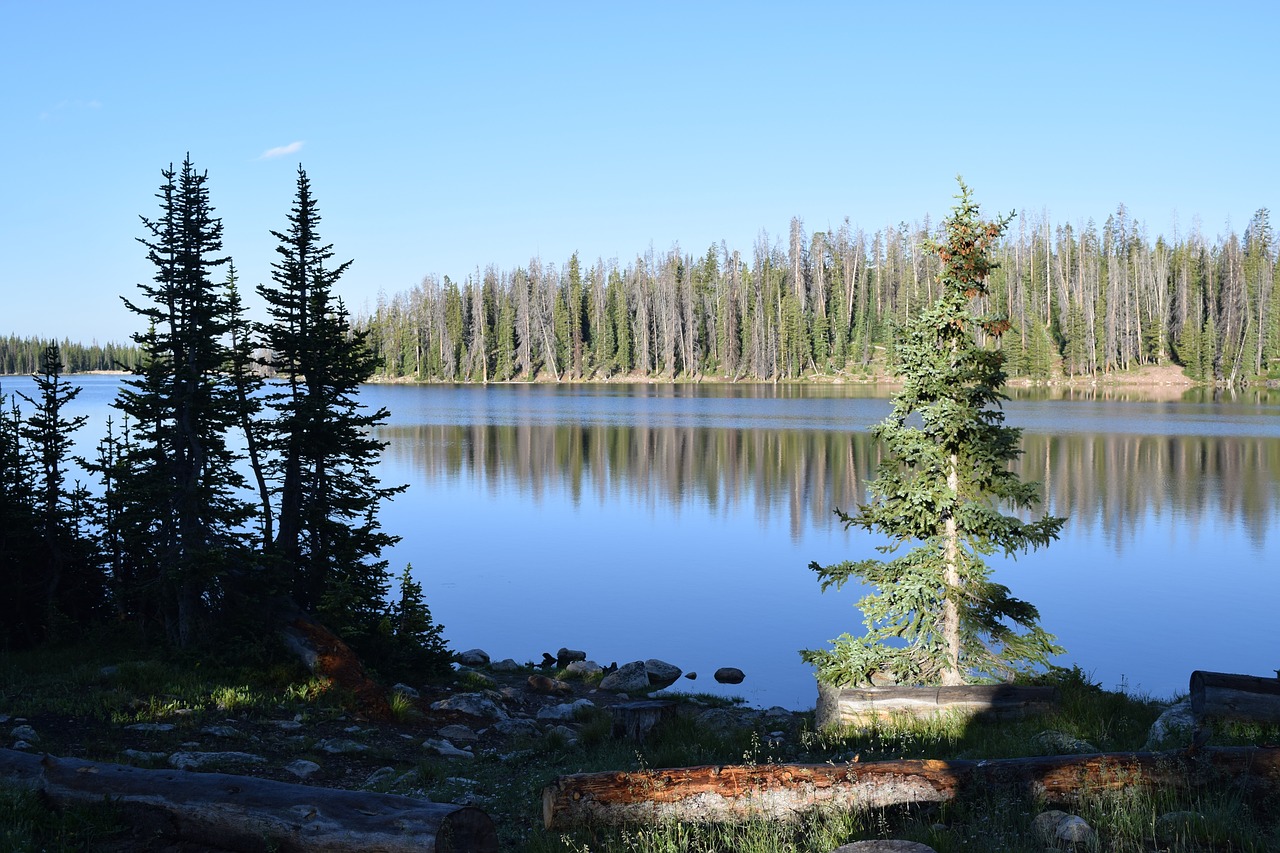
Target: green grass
66	686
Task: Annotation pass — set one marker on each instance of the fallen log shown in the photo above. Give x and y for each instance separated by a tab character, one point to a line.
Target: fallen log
716	794
860	705
1244	698
242	813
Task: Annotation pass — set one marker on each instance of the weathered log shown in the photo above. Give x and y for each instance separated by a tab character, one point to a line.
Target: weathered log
856	706
634	720
247	814
785	791
1224	696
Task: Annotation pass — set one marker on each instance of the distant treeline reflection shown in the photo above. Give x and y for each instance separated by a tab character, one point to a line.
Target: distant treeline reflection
1113	480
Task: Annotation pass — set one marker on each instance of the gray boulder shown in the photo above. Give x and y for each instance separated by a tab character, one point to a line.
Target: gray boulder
566	711
1061	743
25	733
455	732
1045	825
1172	728
516	728
661	673
473	657
1076	830
506	665
475	704
628	678
193	760
584	668
302	768
405	690
729	675
440	746
338	746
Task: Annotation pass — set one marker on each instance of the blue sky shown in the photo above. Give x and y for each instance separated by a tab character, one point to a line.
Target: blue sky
440	137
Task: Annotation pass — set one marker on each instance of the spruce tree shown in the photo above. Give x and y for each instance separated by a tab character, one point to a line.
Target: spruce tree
73	585
935	615
182	493
328	541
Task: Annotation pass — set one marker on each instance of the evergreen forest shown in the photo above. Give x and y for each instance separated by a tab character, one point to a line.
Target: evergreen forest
21	356
219	505
1081	301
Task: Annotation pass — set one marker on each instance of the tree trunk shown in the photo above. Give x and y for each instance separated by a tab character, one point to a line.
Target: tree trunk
248	814
855	706
1247	698
785	791
325	654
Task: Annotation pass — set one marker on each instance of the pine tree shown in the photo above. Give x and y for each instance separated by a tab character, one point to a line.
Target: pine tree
73	586
936	616
184	483
328	541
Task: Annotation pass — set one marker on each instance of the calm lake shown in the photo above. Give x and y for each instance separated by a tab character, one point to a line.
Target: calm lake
678	522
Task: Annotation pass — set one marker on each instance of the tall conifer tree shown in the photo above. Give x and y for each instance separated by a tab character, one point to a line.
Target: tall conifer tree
328	541
936	616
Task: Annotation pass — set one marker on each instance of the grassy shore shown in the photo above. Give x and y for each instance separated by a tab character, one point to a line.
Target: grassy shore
80	701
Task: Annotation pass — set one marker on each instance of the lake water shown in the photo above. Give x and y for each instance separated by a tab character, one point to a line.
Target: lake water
678	522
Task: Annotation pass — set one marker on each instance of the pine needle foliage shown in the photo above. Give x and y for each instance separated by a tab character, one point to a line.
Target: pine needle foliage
935	615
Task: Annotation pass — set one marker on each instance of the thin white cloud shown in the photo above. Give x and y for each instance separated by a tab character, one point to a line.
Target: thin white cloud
291	148
70	106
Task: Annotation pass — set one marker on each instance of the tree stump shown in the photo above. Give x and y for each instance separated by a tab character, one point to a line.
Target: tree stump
858	706
1244	698
635	720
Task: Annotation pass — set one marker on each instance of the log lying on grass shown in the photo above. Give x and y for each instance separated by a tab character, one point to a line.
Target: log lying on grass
785	791
1245	698
854	706
244	813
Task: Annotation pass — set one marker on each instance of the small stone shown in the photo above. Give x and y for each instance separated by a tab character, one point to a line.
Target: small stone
516	728
473	657
143	755
1174	827
302	768
584	668
21	745
661	673
382	774
1060	743
25	733
338	746
441	746
455	732
220	731
506	665
569	735
287	725
692	676
548	686
1045	824
1075	830
404	690
4	718
564	712
628	678
729	675
192	760
471	703
150	727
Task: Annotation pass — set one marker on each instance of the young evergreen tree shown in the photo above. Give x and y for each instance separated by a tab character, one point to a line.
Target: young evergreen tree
936	616
21	616
183	485
328	541
73	585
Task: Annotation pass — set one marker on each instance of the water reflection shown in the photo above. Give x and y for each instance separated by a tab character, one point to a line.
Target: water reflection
1113	482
